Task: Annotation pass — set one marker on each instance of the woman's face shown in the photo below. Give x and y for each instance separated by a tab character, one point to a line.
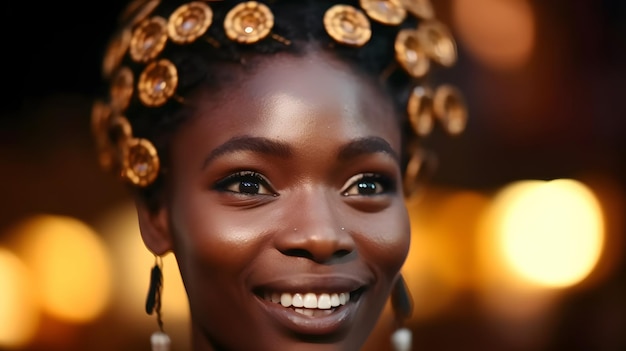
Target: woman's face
285	208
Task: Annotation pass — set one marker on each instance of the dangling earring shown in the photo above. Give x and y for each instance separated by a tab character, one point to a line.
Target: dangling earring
159	340
402	305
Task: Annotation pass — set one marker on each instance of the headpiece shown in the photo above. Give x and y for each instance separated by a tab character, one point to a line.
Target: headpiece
145	36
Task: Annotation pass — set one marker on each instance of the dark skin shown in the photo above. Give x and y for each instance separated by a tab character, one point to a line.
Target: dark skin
291	184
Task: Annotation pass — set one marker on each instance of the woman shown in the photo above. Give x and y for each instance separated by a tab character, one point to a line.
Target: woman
269	145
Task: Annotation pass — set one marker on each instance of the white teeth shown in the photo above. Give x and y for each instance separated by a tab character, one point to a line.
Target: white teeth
275	298
309	300
323	303
334	300
342	298
297	301
311	312
285	300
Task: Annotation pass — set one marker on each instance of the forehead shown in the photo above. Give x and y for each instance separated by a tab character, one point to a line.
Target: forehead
292	98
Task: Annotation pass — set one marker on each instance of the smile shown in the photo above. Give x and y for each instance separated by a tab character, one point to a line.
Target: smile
310	304
313	304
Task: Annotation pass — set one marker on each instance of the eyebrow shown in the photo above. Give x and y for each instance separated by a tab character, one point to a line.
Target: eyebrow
366	146
355	148
249	143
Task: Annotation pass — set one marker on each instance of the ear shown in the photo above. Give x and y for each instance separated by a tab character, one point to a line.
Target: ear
154	227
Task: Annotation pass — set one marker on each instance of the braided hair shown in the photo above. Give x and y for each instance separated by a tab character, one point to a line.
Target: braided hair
211	64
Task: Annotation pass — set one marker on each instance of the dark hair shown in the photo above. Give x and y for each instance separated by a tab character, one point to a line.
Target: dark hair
201	64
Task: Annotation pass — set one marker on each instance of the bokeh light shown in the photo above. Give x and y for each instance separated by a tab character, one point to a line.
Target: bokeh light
498	33
552	233
71	266
19	308
439	266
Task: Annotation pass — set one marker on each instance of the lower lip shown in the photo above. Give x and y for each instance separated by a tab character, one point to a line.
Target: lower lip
299	323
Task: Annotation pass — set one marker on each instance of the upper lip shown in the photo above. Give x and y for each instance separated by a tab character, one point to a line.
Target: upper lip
313	283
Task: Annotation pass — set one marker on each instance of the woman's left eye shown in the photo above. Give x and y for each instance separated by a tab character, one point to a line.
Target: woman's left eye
367	184
245	183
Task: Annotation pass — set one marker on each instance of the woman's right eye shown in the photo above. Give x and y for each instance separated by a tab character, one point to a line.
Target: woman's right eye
246	183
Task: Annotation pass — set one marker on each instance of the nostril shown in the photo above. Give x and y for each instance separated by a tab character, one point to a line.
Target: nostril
342	253
311	256
298	253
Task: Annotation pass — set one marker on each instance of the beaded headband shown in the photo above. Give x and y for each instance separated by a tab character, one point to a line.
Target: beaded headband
249	22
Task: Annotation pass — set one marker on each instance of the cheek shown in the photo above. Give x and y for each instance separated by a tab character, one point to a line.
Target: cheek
385	242
205	234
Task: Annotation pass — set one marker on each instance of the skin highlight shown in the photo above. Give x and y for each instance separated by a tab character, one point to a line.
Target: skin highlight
291	183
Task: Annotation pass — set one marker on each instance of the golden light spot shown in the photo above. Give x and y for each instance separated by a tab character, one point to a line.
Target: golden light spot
71	266
439	265
499	33
551	233
19	308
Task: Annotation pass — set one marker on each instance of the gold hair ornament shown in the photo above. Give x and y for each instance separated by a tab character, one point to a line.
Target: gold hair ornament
145	36
100	119
141	162
148	39
389	12
449	107
420	110
411	54
438	43
189	22
419	8
157	83
249	22
122	88
115	52
418	170
347	25
138	10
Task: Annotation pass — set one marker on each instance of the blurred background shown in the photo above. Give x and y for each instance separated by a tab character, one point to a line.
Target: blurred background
518	242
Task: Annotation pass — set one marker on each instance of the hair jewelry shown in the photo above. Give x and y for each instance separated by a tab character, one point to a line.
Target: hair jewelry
145	37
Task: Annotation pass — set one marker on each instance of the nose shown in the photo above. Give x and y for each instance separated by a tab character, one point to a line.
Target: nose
315	232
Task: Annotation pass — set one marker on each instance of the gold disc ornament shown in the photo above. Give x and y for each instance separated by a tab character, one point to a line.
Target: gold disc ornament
138	10
414	172
347	25
449	107
157	83
420	110
419	8
390	12
122	87
438	43
141	162
189	22
119	131
117	48
410	53
100	118
148	39
249	22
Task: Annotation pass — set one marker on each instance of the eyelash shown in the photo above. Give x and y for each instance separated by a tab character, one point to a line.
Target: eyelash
249	177
382	184
386	184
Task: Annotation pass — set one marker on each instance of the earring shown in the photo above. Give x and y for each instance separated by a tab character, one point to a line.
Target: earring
402	305
159	340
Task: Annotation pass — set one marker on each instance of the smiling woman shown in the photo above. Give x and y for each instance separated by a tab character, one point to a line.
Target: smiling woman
271	152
